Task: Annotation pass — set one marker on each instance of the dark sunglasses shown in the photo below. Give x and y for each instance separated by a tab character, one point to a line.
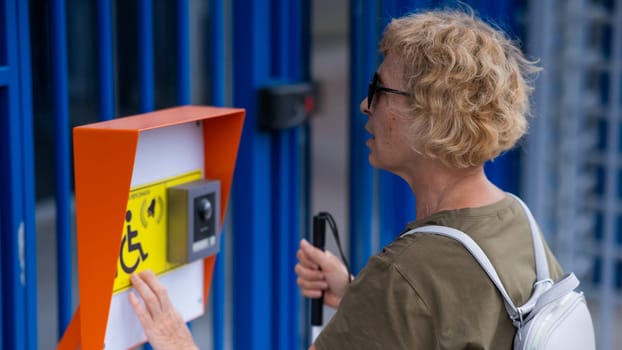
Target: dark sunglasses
375	87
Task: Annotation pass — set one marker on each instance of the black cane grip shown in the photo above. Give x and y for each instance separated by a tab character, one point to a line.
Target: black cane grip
319	237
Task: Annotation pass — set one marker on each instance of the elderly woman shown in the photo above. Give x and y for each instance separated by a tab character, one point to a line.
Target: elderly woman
451	93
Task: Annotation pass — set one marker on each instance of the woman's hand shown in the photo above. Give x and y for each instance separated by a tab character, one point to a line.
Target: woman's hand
163	325
320	271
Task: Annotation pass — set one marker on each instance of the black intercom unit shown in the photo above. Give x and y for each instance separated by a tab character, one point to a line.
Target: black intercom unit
193	220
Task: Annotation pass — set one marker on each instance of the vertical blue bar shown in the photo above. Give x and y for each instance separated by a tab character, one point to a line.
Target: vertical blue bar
5	162
287	45
106	66
295	193
497	11
2	235
218	33
504	171
281	183
217	51
11	192
396	8
146	66
304	136
282	238
30	237
12	204
296	49
252	227
183	52
145	54
363	41
60	102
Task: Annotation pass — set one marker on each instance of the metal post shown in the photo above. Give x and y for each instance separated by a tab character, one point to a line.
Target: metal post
283	239
62	176
145	54
286	33
218	32
2	234
28	171
183	52
252	195
13	230
218	92
106	65
11	186
363	58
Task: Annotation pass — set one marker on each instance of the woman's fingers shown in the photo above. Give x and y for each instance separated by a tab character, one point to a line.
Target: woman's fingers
143	315
158	289
313	294
309	274
311	253
311	285
305	261
150	299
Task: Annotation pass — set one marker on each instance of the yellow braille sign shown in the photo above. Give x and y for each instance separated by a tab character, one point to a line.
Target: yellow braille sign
144	240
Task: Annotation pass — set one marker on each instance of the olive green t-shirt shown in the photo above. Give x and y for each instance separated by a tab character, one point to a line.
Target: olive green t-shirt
428	292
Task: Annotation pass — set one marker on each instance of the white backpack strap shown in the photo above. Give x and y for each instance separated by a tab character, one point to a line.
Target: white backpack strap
478	254
543	280
542	265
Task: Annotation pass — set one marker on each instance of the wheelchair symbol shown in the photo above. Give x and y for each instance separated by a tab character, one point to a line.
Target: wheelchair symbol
131	246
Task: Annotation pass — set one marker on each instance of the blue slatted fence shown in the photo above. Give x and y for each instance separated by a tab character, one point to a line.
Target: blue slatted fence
365	25
18	324
106	65
219	90
60	103
146	55
286	144
267	49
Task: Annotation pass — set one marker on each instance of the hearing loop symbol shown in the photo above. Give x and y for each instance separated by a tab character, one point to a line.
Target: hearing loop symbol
129	238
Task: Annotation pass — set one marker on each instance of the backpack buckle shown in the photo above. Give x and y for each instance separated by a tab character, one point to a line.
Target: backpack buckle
544	281
517	321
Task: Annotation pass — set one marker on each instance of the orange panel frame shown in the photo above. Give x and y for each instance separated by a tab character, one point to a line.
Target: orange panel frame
101	200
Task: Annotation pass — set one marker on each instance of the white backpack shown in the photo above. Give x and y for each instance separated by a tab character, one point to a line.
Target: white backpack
554	317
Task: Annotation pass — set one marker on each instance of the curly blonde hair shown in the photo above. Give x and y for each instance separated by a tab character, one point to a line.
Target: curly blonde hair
469	85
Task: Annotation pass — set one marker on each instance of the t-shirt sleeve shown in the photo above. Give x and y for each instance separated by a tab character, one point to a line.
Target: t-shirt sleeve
381	310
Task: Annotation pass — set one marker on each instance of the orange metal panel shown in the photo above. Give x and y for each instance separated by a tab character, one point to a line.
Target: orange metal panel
101	199
71	337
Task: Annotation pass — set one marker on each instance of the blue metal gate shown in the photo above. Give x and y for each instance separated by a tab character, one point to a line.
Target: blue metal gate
127	47
270	45
18	306
125	66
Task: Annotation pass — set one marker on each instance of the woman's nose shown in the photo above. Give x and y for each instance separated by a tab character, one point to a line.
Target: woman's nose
363	106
